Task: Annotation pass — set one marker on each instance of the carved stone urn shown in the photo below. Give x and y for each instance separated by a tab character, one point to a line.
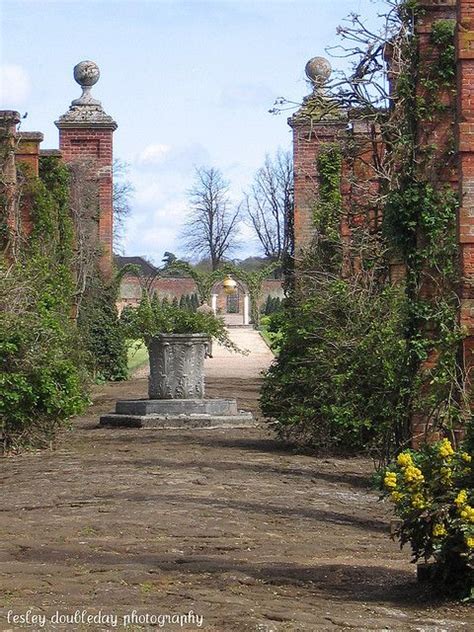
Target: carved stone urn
176	391
177	366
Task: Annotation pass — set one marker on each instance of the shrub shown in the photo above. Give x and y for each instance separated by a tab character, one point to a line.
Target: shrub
338	382
103	337
272	330
152	318
272	304
42	383
432	493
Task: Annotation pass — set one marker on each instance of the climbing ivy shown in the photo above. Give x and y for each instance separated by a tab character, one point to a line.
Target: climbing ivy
42	376
420	228
361	357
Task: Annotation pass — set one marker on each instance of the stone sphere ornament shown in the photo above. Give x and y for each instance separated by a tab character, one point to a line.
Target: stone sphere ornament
86	73
318	70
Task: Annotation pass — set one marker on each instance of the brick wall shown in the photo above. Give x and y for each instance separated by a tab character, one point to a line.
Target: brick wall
465	133
175	287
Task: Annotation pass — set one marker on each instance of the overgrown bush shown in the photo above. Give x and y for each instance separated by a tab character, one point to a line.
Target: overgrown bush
271	327
432	493
46	278
42	382
338	383
154	317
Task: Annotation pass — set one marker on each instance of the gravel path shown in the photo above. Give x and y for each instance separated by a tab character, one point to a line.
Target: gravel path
227	524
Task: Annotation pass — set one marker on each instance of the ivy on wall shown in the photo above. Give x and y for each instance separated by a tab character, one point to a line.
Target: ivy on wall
42	377
48	352
361	358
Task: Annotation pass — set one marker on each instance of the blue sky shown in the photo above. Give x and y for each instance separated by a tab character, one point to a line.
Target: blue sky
189	84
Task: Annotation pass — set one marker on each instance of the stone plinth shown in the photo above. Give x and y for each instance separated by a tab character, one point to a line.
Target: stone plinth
176	389
177	413
177	366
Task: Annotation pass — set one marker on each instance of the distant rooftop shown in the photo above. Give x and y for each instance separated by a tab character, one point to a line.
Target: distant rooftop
146	268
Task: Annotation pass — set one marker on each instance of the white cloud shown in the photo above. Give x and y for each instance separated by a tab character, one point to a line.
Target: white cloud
153	154
14	85
160	158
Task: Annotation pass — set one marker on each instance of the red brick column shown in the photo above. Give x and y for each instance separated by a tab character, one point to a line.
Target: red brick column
308	138
9	119
27	152
465	134
95	145
85	134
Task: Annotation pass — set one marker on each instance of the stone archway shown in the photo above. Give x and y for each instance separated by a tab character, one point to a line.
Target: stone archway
235	308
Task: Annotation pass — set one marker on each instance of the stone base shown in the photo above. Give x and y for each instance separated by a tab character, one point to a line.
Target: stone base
178	413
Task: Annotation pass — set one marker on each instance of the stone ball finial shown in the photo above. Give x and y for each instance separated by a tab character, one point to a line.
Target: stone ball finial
86	73
318	70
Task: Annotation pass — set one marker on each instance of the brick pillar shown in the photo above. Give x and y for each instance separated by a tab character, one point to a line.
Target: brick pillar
307	142
9	120
314	125
86	134
465	136
27	152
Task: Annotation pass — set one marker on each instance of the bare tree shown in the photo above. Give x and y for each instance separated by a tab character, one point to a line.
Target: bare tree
212	225
84	208
269	205
122	193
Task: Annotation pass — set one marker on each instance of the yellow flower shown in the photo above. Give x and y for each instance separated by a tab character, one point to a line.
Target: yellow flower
396	497
445	448
461	498
404	459
390	480
470	542
418	502
467	513
413	475
439	530
466	457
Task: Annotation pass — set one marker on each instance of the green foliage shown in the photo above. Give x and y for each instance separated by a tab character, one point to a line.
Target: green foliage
103	337
42	382
253	281
51	216
204	280
419	224
137	354
432	493
328	207
152	318
42	376
271	328
359	358
272	304
442	36
339	380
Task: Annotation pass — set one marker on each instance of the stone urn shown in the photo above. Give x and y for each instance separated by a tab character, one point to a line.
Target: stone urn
177	366
176	391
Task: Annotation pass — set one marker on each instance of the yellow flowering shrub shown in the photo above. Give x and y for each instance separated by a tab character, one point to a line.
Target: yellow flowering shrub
432	493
